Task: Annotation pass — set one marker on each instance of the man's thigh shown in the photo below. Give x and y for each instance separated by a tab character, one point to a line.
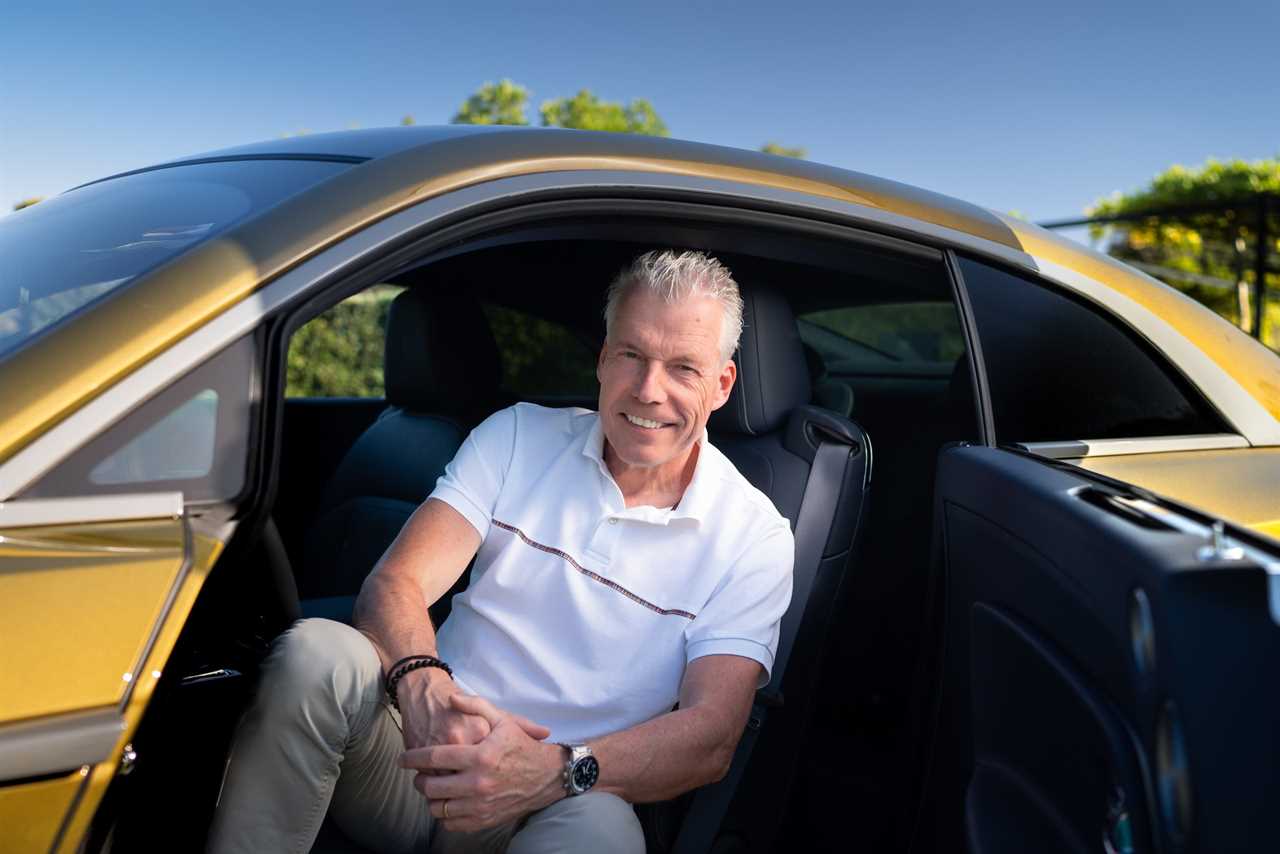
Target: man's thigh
595	822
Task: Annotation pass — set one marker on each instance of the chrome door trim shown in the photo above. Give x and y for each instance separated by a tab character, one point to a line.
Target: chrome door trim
24	467
98	508
1080	449
64	743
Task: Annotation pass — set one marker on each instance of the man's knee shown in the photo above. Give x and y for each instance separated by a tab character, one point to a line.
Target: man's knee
321	657
594	822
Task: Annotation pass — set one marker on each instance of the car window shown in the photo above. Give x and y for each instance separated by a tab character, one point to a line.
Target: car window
890	354
177	447
63	253
878	337
1061	369
193	437
541	359
340	352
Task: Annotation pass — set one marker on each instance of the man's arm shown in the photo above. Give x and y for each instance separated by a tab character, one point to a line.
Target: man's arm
510	774
686	748
427	557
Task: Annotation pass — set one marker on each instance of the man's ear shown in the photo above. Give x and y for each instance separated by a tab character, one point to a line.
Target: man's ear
725	381
604	349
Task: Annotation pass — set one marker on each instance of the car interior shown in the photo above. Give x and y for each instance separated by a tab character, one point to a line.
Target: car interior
853	374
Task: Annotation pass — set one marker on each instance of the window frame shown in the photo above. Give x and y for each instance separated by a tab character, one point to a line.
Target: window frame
234	373
360	259
1074	448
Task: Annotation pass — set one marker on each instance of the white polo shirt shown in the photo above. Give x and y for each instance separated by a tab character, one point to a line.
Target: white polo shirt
582	613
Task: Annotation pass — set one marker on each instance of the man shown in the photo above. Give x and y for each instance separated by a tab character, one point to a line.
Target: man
623	566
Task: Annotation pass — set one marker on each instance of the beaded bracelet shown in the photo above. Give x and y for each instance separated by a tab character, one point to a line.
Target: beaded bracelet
407	665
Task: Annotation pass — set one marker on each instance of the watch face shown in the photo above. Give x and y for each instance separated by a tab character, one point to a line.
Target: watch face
585	773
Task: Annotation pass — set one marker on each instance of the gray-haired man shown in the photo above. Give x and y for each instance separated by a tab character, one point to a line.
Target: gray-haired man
623	566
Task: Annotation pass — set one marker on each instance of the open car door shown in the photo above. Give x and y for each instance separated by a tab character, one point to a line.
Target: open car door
103	582
1109	664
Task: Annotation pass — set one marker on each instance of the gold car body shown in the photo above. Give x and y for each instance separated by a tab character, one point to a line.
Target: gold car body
87	643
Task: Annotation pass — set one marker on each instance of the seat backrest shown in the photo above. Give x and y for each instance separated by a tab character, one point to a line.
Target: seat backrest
815	465
441	370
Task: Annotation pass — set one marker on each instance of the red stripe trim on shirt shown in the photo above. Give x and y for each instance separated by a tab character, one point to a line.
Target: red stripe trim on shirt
592	575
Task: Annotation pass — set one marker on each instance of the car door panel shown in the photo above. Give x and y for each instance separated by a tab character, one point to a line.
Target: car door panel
32	814
106	583
1239	484
93	593
1085	712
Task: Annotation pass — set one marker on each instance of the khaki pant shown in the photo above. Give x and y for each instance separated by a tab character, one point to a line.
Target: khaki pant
321	737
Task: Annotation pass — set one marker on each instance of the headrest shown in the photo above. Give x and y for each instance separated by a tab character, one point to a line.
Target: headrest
440	355
773	376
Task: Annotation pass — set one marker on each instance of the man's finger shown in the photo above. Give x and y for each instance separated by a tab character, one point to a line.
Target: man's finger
446	786
473	705
532	729
453	757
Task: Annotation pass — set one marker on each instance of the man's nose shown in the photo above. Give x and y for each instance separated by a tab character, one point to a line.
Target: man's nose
649	386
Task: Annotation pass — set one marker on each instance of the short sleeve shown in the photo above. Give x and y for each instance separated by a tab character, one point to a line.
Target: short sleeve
473	478
743	614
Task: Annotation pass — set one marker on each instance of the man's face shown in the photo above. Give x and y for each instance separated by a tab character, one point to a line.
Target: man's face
661	377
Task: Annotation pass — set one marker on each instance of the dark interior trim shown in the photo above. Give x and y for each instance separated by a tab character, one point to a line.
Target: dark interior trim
977	364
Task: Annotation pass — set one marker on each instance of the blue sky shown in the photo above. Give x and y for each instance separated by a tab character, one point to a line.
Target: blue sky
1038	107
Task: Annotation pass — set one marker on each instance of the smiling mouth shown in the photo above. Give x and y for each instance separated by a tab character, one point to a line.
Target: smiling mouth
646	423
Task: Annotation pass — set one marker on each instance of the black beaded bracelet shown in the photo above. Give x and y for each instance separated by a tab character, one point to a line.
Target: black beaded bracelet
407	665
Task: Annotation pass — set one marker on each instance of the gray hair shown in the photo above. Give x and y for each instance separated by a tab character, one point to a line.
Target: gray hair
675	277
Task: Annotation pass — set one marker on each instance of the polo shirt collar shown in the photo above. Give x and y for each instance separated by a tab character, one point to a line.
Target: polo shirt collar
695	502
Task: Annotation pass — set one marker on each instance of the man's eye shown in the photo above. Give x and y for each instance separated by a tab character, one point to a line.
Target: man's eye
687	369
630	354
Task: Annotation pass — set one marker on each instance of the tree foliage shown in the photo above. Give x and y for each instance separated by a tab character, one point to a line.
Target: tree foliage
339	353
585	111
783	151
501	103
26	203
506	103
1210	255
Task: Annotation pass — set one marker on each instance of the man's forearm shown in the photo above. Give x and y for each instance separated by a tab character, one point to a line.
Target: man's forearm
427	556
392	613
668	755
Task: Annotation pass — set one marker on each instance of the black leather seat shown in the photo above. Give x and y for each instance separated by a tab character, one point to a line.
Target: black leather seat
815	465
440	358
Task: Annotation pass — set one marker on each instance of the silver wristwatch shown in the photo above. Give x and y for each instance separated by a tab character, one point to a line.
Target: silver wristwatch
581	770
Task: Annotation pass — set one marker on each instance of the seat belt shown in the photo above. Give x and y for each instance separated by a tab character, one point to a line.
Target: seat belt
702	822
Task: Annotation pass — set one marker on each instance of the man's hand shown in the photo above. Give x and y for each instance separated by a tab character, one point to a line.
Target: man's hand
507	775
429	718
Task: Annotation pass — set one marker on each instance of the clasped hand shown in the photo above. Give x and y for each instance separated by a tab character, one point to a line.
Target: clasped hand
507	774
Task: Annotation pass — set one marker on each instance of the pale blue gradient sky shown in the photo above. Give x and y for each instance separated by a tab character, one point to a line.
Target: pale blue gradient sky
1039	107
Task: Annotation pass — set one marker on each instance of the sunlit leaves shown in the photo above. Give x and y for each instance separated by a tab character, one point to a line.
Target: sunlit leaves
501	103
783	151
585	111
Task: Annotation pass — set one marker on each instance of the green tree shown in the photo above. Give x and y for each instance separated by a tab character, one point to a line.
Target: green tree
501	103
339	353
26	203
783	151
585	111
1209	255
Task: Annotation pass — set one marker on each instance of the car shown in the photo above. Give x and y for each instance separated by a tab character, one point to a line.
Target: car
1034	490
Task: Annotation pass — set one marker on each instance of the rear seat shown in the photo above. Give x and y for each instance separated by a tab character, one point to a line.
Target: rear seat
440	358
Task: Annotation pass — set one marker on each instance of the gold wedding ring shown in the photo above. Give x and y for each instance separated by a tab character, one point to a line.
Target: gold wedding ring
446	810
